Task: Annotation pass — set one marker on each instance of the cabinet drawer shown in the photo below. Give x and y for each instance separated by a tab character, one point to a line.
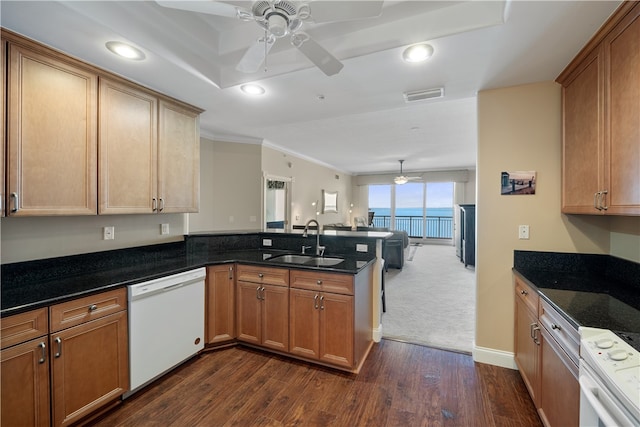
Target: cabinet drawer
24	327
319	281
527	294
81	310
264	275
561	330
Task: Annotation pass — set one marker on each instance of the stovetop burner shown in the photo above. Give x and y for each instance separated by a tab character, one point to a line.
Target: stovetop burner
631	338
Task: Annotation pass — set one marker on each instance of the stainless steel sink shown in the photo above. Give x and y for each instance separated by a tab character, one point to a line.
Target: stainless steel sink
307	260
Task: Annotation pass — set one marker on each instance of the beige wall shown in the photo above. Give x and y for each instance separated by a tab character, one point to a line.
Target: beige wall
29	238
309	179
519	128
230	187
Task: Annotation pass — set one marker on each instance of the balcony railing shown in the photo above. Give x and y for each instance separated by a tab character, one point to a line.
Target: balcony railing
436	227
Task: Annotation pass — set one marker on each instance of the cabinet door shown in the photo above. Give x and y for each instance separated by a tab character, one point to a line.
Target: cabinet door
275	317
89	366
622	151
249	314
178	159
559	387
25	384
220	309
127	149
583	135
3	118
304	324
52	136
527	349
336	329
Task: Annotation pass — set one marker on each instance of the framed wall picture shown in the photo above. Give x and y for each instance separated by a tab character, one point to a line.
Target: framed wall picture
329	201
518	182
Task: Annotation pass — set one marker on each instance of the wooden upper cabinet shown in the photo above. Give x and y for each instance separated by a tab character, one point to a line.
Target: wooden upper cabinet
582	136
52	135
3	118
601	130
622	150
127	149
178	158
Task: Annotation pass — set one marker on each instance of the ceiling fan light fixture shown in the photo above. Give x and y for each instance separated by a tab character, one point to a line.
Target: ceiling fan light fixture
417	53
252	89
278	24
125	50
400	180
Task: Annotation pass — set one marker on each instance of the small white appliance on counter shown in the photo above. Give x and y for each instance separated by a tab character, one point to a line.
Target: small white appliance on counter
166	324
609	379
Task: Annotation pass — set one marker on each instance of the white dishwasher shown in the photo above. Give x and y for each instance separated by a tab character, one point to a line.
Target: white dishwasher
166	324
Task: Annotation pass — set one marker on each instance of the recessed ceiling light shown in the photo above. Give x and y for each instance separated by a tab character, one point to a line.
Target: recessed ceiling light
125	50
251	89
417	52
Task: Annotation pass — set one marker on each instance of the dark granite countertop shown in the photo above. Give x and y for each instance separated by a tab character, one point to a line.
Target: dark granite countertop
598	291
33	284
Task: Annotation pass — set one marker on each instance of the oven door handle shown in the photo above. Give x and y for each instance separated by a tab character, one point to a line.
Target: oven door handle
606	410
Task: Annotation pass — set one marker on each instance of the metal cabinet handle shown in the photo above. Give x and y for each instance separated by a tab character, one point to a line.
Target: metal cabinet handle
43	347
595	200
535	334
524	292
554	326
322	302
315	301
230	273
258	292
93	307
58	341
16	202
603	199
154	204
161	208
262	292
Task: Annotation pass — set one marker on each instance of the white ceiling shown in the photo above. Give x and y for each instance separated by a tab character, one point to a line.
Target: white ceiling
362	125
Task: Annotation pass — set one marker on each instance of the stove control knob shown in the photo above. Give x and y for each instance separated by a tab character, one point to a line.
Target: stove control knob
604	343
618	355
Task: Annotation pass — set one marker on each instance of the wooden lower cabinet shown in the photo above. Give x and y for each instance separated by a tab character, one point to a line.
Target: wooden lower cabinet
72	362
321	326
89	367
559	387
263	309
220	310
25	384
527	338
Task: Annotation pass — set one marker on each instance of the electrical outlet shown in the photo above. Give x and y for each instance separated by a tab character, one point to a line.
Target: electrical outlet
523	232
108	233
362	248
164	228
266	242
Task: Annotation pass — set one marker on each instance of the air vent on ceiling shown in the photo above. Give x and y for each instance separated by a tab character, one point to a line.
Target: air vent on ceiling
419	95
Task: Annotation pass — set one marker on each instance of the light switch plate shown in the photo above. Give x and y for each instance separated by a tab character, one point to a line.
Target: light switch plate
164	228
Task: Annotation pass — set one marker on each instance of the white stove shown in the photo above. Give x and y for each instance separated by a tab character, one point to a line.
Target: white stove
609	380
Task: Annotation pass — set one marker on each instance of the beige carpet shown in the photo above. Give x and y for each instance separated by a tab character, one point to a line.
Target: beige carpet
431	301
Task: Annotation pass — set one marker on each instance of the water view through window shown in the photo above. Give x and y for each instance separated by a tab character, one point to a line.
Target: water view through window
423	210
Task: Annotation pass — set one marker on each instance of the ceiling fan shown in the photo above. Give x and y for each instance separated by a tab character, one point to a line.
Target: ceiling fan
403	179
282	18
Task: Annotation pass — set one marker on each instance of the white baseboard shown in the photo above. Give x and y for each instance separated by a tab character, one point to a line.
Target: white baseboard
505	359
377	334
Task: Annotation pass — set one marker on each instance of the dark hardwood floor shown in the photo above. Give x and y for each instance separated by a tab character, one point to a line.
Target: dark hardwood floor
400	384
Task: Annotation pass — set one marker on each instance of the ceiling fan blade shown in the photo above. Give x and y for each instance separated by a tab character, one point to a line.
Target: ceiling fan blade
255	55
330	11
210	7
328	63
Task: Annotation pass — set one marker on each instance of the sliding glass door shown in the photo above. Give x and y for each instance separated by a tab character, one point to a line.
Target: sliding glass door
423	210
